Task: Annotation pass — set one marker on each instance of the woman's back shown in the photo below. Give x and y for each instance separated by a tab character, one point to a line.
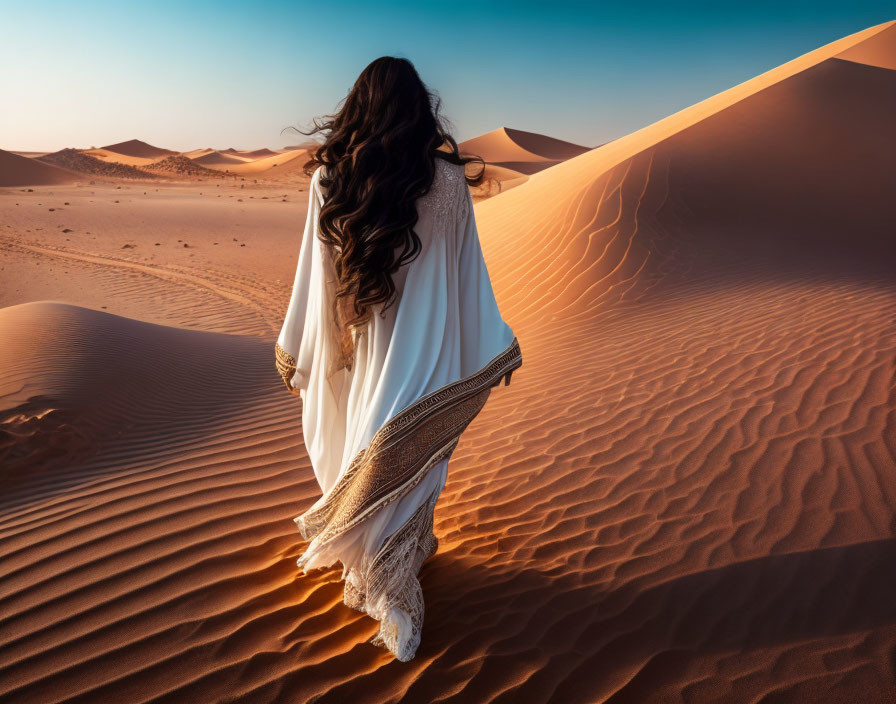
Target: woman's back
438	211
443	325
381	430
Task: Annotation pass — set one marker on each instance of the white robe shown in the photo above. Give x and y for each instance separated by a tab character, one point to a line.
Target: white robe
442	341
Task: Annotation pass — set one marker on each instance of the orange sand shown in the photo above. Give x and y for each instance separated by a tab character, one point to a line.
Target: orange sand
686	495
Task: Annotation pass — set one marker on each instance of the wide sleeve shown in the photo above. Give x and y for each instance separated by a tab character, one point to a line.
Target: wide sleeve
484	333
300	323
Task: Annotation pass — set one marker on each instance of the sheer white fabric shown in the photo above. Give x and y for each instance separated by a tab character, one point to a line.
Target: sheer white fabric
444	326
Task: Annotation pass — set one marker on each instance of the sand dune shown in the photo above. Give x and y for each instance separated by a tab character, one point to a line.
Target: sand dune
875	51
76	160
215	158
286	166
197	152
617	151
137	148
523	152
80	394
236	156
716	329
116	158
272	167
182	167
309	145
18	170
258	153
687	493
512	155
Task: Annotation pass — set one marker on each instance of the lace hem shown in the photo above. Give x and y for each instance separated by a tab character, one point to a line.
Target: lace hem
398	457
386	587
403	449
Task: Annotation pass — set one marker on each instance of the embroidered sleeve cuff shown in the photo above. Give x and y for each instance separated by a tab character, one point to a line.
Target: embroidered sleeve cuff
286	367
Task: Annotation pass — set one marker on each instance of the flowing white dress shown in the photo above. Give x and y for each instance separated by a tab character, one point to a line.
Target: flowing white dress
380	435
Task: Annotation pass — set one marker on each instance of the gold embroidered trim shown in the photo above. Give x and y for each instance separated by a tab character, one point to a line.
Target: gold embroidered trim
286	366
403	450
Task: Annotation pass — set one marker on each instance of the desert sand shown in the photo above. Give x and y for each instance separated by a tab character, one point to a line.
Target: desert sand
687	493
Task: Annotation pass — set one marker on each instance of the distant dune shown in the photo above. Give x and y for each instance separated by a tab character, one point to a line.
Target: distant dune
308	145
18	170
277	166
116	158
197	152
523	152
28	154
182	167
215	158
139	160
135	147
512	155
258	153
83	162
245	155
241	153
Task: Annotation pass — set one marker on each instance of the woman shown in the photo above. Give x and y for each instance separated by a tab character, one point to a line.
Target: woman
393	339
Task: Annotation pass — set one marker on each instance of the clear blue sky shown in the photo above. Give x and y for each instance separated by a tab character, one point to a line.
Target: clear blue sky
185	75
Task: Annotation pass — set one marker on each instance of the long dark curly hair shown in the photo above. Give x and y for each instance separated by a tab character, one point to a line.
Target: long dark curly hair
379	157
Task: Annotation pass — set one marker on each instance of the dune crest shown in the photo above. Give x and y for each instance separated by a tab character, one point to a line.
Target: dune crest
878	50
605	157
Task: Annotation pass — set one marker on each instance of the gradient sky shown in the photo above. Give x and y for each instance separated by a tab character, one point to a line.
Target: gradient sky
185	75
